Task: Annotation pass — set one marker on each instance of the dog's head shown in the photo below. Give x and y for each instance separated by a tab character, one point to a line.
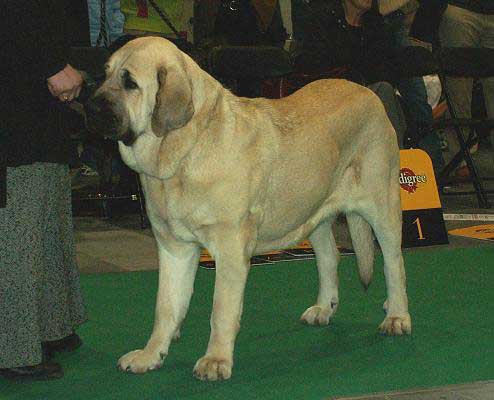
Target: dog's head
146	89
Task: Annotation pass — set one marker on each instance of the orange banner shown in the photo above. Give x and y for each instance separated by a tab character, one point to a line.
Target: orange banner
417	181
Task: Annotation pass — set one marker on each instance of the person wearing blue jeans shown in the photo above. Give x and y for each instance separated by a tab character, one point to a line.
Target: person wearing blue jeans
413	93
114	21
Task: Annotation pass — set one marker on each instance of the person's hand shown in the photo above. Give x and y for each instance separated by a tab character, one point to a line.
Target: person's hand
66	84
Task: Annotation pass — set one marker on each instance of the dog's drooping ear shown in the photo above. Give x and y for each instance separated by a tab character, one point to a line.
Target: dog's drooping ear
174	106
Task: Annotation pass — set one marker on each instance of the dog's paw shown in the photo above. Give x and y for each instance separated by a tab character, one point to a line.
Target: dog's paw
396	325
317	315
140	361
212	369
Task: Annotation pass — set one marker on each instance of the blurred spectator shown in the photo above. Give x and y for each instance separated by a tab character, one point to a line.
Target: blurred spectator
107	12
352	34
369	39
249	24
413	92
468	24
346	33
426	20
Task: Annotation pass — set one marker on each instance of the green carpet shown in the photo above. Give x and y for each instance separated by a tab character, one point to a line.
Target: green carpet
451	296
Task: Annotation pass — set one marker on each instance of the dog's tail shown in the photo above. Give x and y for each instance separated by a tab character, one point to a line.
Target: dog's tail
363	245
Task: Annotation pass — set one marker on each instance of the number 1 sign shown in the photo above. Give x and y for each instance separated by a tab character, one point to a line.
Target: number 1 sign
423	223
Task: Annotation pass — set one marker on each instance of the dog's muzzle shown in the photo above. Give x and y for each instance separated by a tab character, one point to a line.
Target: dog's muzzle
102	120
100	117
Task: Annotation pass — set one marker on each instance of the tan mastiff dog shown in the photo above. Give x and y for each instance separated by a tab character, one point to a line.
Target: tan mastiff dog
245	176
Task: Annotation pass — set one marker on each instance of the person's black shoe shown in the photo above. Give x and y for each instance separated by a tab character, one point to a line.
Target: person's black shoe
68	343
40	372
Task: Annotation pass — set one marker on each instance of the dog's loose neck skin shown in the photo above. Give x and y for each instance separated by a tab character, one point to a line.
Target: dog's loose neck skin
160	157
143	154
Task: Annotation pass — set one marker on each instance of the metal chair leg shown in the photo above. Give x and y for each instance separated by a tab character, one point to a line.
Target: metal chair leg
140	197
476	181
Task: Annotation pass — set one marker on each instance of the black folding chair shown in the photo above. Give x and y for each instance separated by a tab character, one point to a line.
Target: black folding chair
473	63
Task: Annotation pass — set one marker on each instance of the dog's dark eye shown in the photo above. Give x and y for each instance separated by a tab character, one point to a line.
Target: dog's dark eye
130	84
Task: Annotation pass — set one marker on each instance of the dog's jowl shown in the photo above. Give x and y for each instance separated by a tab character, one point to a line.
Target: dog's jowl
244	176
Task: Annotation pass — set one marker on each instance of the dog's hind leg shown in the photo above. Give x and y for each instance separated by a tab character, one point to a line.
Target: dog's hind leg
178	264
232	249
327	257
385	219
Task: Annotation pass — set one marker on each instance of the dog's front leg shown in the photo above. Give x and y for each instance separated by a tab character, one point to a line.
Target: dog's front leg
177	270
232	254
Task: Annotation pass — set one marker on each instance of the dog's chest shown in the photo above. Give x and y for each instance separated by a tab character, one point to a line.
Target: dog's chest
181	231
174	210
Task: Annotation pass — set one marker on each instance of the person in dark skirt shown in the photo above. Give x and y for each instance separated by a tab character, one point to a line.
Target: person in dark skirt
40	296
